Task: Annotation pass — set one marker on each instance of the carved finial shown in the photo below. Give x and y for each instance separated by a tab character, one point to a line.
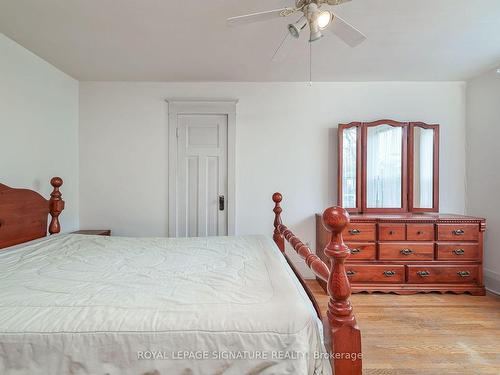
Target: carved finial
56	205
56	182
277	198
335	219
277	236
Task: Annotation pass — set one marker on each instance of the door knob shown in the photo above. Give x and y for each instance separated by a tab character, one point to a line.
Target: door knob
221	203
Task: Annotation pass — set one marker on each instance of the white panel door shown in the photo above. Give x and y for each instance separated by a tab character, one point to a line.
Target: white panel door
202	175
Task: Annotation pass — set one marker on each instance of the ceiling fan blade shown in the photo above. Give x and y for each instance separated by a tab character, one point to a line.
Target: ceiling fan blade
335	2
346	32
260	16
283	49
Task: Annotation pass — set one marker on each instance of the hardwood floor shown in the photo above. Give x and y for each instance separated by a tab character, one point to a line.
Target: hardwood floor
426	333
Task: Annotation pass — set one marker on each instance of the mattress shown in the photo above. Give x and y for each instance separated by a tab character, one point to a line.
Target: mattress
76	304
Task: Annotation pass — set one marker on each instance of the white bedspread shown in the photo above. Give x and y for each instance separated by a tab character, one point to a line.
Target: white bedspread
75	304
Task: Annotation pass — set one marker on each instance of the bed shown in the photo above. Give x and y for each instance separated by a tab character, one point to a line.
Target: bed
79	304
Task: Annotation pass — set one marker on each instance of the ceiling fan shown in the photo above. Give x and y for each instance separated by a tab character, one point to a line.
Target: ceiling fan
314	15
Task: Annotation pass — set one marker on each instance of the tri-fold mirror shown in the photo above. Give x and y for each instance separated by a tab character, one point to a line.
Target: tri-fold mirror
388	166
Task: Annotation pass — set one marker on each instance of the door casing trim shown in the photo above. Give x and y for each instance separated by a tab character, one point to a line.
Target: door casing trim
178	107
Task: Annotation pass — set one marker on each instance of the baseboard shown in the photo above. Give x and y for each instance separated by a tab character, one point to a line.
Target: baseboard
492	281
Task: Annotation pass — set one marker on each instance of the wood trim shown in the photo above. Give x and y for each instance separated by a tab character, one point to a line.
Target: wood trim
231	168
340	159
407	289
385	122
172	170
411	163
404	166
425	218
24	214
407	173
201	106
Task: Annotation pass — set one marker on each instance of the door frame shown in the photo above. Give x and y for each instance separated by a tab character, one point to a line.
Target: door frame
178	107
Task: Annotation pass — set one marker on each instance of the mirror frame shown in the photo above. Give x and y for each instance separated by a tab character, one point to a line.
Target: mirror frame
407	166
411	163
404	166
340	134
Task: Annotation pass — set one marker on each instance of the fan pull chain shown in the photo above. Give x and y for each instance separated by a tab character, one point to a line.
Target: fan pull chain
310	64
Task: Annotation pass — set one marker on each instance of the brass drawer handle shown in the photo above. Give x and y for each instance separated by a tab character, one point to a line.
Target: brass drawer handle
463	273
355	231
406	251
355	251
389	273
458	232
423	273
459	251
350	273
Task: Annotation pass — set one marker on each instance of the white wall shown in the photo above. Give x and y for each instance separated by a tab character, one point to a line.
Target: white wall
286	141
483	174
38	126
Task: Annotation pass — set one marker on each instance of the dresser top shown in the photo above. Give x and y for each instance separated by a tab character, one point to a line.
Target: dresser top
414	218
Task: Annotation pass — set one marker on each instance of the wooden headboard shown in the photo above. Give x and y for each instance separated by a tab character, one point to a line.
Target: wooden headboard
24	213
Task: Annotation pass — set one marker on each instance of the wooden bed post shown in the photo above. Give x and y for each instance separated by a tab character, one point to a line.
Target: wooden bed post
56	205
277	236
340	324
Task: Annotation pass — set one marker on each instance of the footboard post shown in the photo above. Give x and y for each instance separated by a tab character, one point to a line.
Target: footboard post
277	236
340	324
56	205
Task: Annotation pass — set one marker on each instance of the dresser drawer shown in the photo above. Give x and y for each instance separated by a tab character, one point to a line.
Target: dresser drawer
458	232
362	251
359	232
458	251
375	273
420	232
406	251
466	274
391	232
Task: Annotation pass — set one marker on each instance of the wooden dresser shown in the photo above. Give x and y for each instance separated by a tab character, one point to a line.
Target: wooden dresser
410	253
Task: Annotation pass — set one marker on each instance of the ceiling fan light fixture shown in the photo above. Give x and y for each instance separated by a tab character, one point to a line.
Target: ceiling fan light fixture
315	35
324	19
312	13
295	28
315	30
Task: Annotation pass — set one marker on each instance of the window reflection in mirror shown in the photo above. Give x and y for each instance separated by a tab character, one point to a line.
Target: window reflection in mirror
384	166
423	167
349	163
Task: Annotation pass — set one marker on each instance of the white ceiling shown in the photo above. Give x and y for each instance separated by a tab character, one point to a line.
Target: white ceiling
187	40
